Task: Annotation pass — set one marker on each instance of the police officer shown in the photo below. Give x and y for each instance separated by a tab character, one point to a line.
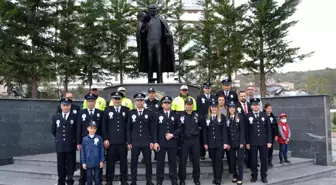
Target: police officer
191	124
165	131
63	128
74	108
100	102
178	102
84	117
124	101
227	91
140	126
215	139
114	128
258	138
236	131
274	131
203	102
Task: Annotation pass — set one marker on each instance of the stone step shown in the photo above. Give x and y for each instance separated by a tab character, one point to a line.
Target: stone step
276	176
50	160
45	172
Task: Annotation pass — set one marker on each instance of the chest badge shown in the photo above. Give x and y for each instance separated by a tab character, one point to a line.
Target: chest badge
124	114
172	118
239	110
237	120
83	117
251	120
182	120
203	100
231	96
96	140
111	115
146	116
228	123
271	119
208	122
98	115
74	111
71	122
58	123
160	119
156	105
133	117
263	119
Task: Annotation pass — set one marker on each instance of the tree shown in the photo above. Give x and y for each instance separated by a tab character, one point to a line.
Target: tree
229	36
119	25
91	41
267	47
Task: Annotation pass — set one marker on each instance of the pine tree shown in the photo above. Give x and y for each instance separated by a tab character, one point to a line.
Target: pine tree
267	46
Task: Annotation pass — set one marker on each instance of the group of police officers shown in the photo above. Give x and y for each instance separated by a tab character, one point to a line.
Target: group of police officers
183	127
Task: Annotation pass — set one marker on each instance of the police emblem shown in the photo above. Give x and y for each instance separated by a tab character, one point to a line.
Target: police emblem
98	115
74	111
228	123
237	120
133	117
203	100
251	120
83	117
71	122
182	120
146	116
231	96
156	105
160	119
263	119
196	114
208	122
111	115
239	110
172	118
124	114
271	119
58	123
96	140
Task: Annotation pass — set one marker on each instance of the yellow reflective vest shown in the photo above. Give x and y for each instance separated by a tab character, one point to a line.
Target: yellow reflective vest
100	104
178	104
125	102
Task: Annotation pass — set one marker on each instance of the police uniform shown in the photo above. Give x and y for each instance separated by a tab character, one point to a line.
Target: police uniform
74	109
258	134
236	131
140	127
166	122
63	128
215	135
84	117
203	103
228	95
114	126
154	105
191	124
274	130
124	101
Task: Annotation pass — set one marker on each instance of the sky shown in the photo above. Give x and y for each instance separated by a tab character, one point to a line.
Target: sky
315	31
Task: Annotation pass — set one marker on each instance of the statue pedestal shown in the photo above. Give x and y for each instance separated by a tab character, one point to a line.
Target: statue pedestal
172	90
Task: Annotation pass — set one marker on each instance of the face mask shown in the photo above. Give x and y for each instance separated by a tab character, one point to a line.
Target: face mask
284	120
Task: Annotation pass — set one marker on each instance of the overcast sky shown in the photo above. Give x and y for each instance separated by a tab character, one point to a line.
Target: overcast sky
315	31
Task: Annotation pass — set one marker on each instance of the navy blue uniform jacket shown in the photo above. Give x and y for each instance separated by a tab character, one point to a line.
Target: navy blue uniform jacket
92	151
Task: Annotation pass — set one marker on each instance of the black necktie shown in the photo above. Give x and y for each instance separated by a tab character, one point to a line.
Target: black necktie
226	93
140	113
118	110
257	115
231	118
91	113
213	117
64	116
167	114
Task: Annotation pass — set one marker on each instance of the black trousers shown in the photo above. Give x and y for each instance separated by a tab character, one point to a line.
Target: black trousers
115	153
237	159
217	163
189	146
146	152
247	157
161	155
270	151
227	153
202	149
263	160
65	168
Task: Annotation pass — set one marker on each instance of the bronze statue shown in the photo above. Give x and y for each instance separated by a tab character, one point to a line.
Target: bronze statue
155	44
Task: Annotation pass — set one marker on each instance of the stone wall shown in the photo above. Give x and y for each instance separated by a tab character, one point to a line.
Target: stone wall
308	117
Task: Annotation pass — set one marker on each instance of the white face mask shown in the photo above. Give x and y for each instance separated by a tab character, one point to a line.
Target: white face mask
284	120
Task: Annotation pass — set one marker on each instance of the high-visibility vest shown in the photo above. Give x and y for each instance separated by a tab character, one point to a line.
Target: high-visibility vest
100	104
178	104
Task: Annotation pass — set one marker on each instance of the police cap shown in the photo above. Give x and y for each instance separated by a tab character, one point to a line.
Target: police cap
117	95
226	81
151	90
207	85
166	99
232	104
255	101
189	101
65	101
91	96
213	103
93	124
139	96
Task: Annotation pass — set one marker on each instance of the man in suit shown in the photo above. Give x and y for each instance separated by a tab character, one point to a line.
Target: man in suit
203	103
227	91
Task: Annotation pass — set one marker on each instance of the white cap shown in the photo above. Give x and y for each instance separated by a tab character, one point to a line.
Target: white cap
94	87
121	89
184	87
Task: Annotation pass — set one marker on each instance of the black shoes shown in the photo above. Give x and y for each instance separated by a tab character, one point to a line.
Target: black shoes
239	182
159	183
287	161
149	183
202	158
234	180
264	180
109	183
197	182
270	164
182	183
254	179
133	183
123	183
214	182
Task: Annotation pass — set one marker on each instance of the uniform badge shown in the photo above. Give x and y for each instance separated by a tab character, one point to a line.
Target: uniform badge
58	123
83	117
156	105
74	111
172	118
271	119
284	127
231	96
182	120
251	120
228	123
146	116
239	110
96	140
145	105
133	117
124	114
71	122
203	100
208	122
111	115
196	114
160	119
98	115
263	119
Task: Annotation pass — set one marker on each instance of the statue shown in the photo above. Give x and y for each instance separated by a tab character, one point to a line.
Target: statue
155	44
